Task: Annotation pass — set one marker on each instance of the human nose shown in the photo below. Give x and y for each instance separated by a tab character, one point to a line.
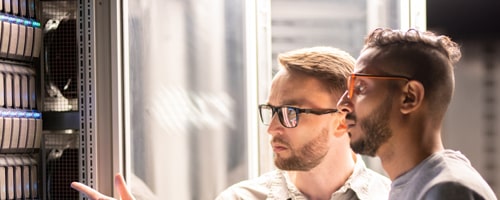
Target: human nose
344	104
274	126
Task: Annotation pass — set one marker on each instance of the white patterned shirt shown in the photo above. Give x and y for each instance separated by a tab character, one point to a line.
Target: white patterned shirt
364	184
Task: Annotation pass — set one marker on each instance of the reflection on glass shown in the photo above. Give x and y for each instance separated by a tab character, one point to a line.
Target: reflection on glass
187	96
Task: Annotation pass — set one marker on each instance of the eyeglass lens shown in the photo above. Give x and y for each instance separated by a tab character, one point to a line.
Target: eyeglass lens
286	115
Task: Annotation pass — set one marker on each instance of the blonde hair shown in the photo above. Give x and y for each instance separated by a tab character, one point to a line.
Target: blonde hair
330	65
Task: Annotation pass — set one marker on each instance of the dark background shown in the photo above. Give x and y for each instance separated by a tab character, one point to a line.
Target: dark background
464	19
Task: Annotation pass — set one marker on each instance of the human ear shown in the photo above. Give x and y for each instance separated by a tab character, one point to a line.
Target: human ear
413	97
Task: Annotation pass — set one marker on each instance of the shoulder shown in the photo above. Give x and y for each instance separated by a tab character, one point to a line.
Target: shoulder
369	184
367	175
378	185
450	173
451	190
256	188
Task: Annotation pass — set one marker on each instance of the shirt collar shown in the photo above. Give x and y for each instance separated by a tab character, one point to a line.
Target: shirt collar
356	182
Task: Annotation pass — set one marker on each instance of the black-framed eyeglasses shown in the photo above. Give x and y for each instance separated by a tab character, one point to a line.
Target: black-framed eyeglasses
352	80
288	115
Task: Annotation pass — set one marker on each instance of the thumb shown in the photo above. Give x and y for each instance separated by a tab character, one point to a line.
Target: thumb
121	186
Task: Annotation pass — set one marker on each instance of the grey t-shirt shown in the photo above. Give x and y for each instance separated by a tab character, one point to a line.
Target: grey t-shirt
446	174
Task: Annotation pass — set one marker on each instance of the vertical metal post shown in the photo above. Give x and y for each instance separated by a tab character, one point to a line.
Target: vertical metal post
85	39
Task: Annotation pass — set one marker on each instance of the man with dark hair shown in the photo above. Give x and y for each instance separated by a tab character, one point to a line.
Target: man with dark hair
396	100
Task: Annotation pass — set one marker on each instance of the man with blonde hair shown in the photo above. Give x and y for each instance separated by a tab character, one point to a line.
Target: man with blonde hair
309	138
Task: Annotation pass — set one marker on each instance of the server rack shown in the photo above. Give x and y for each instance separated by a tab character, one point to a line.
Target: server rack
46	101
20	116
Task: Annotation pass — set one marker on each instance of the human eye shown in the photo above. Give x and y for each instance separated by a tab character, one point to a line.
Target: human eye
291	116
360	87
291	113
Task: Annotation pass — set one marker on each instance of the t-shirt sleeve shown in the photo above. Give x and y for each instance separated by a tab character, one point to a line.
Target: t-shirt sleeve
451	190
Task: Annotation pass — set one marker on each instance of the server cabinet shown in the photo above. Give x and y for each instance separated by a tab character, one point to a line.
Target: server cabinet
20	111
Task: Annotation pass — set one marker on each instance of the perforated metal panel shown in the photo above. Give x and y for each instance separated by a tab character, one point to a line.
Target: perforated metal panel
60	55
60	164
59	66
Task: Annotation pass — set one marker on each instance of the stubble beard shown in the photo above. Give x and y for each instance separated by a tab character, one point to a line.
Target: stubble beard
376	128
305	158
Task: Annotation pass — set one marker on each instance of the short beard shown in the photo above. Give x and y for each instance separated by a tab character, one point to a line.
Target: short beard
307	157
376	128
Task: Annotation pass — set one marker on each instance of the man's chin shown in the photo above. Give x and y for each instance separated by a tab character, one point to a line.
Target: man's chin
359	147
289	165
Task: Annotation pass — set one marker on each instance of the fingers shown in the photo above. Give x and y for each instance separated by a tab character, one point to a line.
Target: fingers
92	194
89	192
121	186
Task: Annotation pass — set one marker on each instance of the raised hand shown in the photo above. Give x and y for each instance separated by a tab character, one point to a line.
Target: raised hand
92	194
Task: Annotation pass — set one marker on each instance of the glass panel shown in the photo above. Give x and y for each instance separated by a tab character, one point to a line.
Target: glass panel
187	89
339	23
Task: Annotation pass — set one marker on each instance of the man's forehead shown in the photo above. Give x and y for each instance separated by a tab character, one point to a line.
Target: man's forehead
298	90
375	61
292	101
304	98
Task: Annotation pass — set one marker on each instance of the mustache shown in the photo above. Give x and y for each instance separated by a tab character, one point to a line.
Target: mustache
350	116
279	140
